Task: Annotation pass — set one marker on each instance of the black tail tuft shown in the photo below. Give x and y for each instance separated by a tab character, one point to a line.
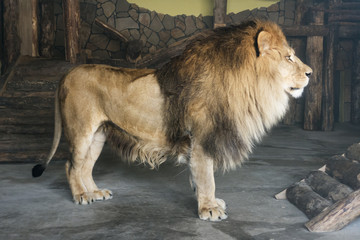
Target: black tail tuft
38	170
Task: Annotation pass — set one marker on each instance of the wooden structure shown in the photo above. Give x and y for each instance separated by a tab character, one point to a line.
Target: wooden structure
220	13
315	34
72	27
330	197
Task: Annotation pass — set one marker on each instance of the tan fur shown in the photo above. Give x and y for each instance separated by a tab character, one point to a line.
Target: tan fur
207	107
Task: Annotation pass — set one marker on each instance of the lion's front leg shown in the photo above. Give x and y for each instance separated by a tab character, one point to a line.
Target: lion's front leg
203	182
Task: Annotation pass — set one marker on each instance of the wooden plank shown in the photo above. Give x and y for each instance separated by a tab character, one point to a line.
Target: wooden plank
305	31
111	30
355	85
313	92
35	28
11	37
328	82
71	15
336	216
30	156
47	38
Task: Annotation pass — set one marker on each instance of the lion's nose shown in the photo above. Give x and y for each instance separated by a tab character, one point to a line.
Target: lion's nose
308	74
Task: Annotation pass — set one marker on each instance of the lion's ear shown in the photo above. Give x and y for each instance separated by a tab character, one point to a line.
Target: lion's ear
264	42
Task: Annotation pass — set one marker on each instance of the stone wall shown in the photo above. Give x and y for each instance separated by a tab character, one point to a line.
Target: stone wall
155	30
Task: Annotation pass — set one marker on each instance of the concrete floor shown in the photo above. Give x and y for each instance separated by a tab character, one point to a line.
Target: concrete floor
160	204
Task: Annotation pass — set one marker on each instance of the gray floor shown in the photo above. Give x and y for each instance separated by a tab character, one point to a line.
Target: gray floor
160	204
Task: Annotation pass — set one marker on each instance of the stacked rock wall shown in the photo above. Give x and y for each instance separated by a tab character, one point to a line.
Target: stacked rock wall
155	30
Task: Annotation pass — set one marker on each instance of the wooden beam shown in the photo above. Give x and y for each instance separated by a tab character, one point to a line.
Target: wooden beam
344	170
220	13
35	28
111	30
305	31
336	216
47	24
11	37
71	9
328	83
313	92
355	85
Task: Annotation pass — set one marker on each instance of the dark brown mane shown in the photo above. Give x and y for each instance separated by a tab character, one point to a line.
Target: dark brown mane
216	55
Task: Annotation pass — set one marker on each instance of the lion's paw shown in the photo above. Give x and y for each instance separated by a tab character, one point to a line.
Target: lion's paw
90	197
217	213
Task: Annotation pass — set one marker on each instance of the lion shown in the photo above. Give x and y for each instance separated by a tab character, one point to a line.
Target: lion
207	107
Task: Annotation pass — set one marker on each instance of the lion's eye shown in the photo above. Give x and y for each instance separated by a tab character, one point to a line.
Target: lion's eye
290	58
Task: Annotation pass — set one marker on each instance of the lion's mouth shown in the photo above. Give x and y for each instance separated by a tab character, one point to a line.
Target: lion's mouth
293	88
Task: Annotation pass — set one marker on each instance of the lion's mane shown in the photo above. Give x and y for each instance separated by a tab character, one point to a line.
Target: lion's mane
221	93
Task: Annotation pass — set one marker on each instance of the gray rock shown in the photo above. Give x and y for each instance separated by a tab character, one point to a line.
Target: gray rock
108	8
168	22
190	25
122	14
274	8
126	23
147	32
156	24
135	34
164	36
122	6
180	24
171	41
199	24
353	152
209	21
99	40
144	19
273	16
102	54
154	39
177	33
113	46
88	12
134	14
84	33
240	17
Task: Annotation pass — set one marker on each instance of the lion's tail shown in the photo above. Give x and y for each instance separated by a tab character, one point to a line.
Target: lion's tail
40	168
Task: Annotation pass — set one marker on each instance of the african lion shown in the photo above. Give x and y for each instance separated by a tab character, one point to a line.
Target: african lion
206	107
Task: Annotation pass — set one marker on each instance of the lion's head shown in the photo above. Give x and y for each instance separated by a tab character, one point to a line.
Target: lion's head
279	61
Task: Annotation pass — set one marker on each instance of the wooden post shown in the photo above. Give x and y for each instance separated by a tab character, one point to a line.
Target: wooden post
220	13
71	17
11	38
2	59
47	24
35	28
328	86
355	85
313	92
290	117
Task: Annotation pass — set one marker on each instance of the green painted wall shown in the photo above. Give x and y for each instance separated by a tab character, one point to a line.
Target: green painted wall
197	7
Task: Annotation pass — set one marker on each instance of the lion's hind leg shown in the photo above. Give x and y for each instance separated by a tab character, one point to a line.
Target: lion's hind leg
79	170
